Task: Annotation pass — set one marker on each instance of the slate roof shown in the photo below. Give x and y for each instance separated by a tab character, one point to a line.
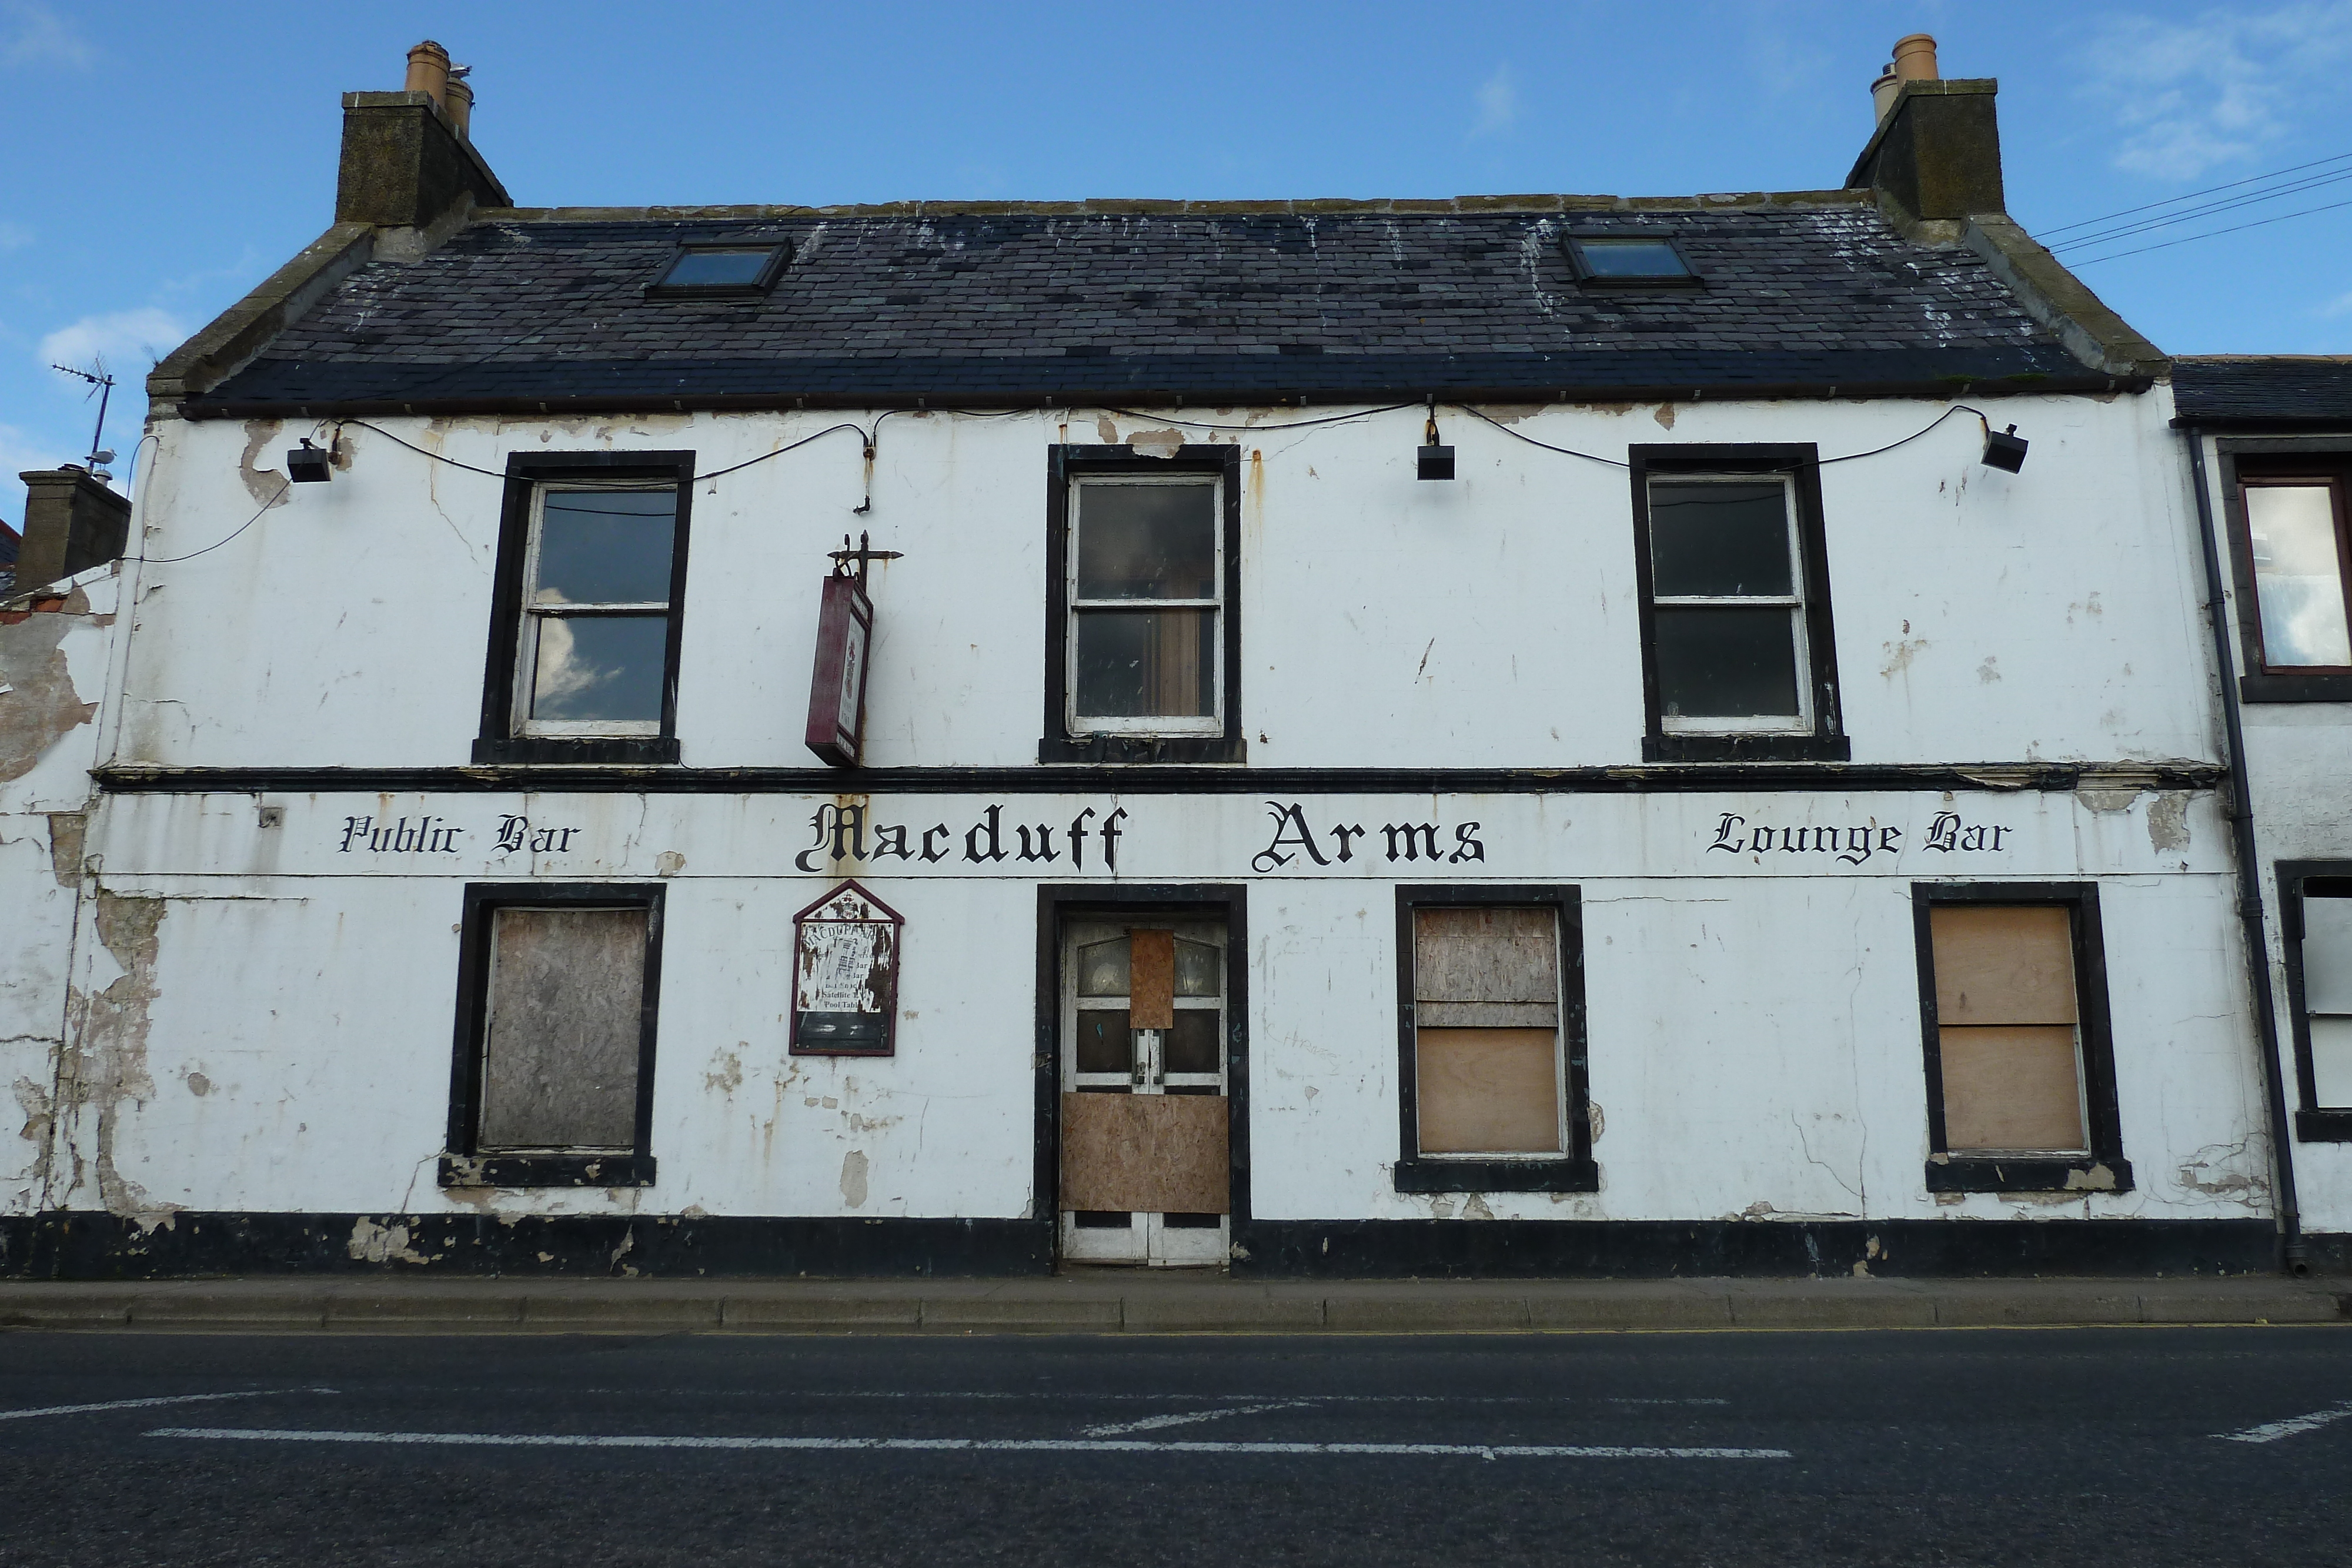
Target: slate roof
1205	306
2275	389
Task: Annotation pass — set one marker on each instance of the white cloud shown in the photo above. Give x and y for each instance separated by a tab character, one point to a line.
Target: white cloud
33	34
21	450
130	339
2339	306
1498	104
2219	88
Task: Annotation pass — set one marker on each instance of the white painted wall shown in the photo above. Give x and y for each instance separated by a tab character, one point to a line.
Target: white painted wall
1980	616
1755	1032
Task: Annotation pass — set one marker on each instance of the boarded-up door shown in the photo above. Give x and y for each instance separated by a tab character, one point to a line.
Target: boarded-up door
1145	1174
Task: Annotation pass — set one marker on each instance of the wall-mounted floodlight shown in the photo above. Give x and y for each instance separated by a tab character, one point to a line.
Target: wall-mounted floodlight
1436	462
2004	451
306	465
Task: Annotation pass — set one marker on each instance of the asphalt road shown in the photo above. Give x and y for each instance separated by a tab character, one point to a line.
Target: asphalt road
2091	1447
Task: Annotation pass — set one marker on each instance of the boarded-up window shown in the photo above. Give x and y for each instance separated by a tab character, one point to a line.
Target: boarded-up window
2009	1028
2327	998
1486	1032
564	1032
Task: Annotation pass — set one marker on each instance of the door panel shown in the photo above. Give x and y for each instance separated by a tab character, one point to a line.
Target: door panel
1146	1175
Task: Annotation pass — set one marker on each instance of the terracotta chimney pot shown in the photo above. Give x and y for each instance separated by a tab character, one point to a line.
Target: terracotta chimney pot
460	101
428	71
1915	58
1882	90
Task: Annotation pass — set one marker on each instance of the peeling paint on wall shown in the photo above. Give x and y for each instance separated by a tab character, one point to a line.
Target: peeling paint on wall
2167	824
853	1178
374	1243
39	705
108	1067
267	487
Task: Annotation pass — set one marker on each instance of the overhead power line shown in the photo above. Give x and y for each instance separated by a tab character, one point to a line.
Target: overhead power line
2192	195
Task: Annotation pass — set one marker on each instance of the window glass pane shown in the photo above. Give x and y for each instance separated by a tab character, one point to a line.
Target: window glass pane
2331	1061
563	1037
1102	969
2011	1088
2298	581
2327	954
600	668
1726	663
1139	664
1488	1091
1631	258
1198	969
1717	539
718	269
605	546
1103	1041
1191	1045
1147	541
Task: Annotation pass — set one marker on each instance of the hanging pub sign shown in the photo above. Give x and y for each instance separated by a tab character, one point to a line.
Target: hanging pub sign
845	975
844	630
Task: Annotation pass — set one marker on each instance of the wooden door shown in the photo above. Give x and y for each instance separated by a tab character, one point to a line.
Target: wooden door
1145	1174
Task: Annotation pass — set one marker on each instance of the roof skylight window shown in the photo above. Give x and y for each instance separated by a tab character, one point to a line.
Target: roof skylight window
1638	260
721	271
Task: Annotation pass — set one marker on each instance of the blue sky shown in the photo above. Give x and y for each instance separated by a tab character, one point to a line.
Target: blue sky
164	157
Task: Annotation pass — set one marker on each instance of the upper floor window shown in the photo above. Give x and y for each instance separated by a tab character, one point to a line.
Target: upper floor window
1735	606
2284	501
585	649
2295	528
1143	643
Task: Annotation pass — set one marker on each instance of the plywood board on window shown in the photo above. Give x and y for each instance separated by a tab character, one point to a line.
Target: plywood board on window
1145	1154
560	1060
2004	964
1484	955
2011	1088
1488	1091
1151	979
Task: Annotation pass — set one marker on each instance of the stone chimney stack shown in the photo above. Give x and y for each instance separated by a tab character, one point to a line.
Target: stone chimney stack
408	158
1936	155
72	523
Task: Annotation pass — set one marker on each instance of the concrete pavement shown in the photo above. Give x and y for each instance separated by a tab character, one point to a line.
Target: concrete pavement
1112	1301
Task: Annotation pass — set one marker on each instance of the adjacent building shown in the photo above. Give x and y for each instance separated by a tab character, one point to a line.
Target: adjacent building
1563	735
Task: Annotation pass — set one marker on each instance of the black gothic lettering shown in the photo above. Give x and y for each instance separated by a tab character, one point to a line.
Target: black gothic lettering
1286	818
510	833
1727	833
1413	834
1466	846
1078	839
1110	838
890	841
1045	850
996	850
1343	835
941	831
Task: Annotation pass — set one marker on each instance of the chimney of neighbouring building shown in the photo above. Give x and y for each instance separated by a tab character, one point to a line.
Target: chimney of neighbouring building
72	523
1935	154
408	157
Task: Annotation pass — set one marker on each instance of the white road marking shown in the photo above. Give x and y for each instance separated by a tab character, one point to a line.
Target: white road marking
2272	1431
1078	1397
142	1404
1153	1423
973	1445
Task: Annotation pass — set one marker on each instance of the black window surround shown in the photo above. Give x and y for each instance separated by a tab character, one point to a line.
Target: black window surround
463	1165
500	740
1068	465
778	255
1574	1171
1590	278
1948	1172
2274	457
1801	465
2298	880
